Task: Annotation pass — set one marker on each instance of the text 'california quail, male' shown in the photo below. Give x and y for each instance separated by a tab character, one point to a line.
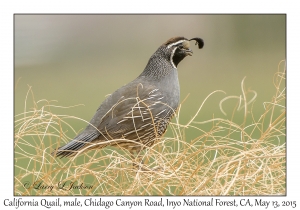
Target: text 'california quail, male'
135	115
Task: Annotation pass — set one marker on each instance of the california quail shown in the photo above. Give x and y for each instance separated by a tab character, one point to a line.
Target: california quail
139	112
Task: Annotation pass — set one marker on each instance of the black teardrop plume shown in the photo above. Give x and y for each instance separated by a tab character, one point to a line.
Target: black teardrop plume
199	41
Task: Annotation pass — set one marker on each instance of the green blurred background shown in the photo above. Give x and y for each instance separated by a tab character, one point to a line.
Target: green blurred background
79	59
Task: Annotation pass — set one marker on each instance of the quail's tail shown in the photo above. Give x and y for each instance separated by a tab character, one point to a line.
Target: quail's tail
75	145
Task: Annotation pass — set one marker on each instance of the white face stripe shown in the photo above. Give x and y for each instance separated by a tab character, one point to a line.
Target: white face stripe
170	45
171	58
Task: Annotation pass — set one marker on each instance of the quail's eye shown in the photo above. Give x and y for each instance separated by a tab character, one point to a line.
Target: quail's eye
180	47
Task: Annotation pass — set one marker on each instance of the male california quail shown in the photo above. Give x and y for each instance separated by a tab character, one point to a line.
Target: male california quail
139	112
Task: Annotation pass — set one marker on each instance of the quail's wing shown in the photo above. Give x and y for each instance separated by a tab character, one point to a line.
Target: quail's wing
133	112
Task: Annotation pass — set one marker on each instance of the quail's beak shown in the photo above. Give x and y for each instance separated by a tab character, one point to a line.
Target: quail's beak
188	52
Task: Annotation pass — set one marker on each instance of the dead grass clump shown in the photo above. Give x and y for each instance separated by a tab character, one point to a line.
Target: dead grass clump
230	158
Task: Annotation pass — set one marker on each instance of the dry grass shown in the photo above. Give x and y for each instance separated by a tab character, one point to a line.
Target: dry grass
247	158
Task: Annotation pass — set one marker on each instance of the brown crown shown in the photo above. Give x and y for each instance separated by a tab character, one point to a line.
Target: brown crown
175	39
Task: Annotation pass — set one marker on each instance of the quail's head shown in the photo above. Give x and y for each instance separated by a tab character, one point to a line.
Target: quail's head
179	48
